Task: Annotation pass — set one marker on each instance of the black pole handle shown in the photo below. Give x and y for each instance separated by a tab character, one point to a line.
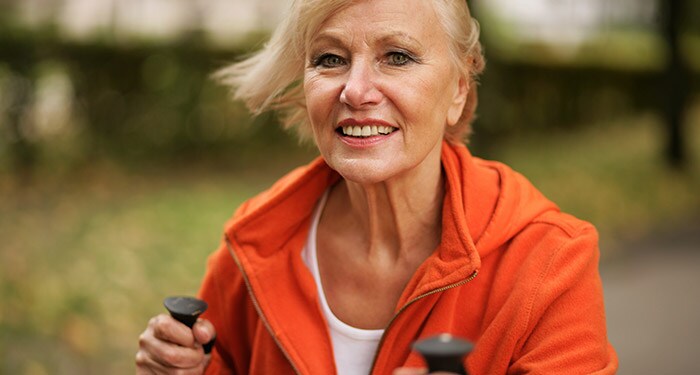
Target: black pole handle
186	310
444	352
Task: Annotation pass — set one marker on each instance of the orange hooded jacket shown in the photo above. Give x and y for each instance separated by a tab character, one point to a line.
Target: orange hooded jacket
512	274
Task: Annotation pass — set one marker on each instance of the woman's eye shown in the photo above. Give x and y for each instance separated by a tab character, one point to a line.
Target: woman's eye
328	60
398	58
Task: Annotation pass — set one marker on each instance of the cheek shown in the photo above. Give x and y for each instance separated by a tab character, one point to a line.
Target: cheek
320	97
423	104
438	97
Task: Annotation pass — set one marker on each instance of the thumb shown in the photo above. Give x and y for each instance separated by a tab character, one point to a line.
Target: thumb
410	371
203	331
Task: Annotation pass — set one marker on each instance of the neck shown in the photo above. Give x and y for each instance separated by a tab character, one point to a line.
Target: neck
394	220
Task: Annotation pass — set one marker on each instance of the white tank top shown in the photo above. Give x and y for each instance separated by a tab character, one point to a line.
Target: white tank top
353	348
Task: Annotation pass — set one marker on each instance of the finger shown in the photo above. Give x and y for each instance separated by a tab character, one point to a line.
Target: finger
203	331
175	356
168	354
146	365
166	328
410	371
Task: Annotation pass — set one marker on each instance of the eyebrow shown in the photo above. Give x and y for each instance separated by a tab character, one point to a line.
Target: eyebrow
390	38
326	36
401	37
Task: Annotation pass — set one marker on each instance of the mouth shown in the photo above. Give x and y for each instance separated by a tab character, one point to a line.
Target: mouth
364	128
365	131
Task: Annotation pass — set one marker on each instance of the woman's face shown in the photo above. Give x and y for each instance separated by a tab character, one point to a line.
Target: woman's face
380	89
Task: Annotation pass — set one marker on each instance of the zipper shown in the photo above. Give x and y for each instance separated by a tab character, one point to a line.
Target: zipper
257	306
409	303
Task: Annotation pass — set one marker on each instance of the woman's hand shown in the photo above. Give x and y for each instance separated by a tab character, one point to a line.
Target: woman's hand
417	371
169	347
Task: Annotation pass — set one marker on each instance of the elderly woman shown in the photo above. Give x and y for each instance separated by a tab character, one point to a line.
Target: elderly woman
396	232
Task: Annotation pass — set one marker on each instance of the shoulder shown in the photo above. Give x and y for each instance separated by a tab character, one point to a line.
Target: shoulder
553	235
223	279
550	268
554	248
562	296
546	255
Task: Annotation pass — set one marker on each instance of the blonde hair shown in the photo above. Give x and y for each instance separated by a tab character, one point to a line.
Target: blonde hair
271	79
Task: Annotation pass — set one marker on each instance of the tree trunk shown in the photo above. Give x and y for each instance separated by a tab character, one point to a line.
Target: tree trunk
676	84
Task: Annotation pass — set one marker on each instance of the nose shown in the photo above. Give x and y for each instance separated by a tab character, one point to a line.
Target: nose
360	89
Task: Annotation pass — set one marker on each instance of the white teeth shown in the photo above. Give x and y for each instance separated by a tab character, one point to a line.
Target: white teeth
367	130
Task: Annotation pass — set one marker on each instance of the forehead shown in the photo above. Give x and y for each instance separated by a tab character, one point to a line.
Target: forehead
377	19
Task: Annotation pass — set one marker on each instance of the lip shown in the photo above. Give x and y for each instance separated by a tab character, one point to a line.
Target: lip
363	122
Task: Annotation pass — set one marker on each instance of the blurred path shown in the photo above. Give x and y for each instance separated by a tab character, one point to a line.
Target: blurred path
652	296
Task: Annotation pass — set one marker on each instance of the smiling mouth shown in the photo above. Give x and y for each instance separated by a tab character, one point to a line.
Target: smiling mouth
365	131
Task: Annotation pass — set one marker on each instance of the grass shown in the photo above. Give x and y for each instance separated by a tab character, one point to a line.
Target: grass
85	261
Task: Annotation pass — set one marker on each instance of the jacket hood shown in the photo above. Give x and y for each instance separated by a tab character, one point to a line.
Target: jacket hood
494	216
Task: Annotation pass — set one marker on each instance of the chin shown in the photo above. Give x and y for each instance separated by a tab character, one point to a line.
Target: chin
364	172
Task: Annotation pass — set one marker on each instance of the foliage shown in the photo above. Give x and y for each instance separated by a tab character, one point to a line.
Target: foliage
65	104
125	103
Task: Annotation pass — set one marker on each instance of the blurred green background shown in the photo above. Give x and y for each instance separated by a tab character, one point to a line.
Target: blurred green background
120	159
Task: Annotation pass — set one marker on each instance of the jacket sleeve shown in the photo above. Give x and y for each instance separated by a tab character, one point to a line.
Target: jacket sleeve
212	293
222	298
566	331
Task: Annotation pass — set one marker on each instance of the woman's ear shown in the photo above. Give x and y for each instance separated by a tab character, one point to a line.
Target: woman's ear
459	99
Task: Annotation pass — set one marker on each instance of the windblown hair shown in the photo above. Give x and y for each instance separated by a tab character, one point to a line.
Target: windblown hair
271	79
